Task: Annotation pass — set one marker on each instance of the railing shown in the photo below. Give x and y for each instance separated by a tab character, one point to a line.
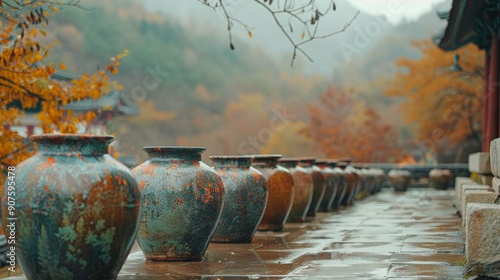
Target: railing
420	173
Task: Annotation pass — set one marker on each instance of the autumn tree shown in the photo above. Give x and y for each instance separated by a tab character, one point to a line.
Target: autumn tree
26	80
343	127
441	100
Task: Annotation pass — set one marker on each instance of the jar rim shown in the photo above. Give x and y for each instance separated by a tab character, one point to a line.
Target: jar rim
267	156
175	149
72	136
234	157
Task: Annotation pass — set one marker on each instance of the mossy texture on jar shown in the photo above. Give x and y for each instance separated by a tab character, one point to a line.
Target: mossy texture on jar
77	209
181	199
245	199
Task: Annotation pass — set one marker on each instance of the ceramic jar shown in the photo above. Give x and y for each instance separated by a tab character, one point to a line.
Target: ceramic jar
281	190
245	199
440	179
303	190
318	184
330	186
76	209
352	182
399	179
182	199
340	181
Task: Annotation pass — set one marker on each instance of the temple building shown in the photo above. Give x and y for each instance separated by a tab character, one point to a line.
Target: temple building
108	106
478	22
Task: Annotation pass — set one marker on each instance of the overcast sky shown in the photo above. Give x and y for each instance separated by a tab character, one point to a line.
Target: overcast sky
325	53
396	10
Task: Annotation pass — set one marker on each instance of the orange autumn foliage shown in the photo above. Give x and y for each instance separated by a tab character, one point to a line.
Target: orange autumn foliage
27	83
444	105
341	129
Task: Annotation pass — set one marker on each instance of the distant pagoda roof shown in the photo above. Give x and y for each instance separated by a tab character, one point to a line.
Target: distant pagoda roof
469	21
114	100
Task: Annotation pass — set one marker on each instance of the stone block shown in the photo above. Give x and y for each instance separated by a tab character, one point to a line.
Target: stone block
467	187
495	184
495	157
486	179
480	163
478	196
459	182
482	245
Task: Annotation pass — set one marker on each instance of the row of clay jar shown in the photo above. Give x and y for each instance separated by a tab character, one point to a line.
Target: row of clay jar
73	205
258	192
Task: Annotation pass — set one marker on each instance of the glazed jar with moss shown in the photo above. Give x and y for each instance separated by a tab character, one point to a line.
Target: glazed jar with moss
181	202
340	181
245	199
281	190
330	185
303	189
76	209
319	185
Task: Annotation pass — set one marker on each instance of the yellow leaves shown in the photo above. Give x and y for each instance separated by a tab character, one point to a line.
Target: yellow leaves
250	35
435	96
54	9
30	85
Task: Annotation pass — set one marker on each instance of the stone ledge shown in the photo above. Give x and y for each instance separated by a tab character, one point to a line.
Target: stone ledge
480	163
459	182
467	187
495	157
482	245
496	184
478	196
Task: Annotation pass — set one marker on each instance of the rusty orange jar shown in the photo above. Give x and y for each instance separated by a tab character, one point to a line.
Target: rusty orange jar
280	185
318	184
76	209
181	199
303	190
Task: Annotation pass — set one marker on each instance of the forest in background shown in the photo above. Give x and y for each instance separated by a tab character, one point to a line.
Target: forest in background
208	95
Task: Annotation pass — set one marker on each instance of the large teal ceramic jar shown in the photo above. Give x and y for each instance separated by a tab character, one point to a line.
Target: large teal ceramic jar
77	209
245	199
181	199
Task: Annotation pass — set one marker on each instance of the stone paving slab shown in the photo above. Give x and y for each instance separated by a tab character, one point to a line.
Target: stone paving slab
412	235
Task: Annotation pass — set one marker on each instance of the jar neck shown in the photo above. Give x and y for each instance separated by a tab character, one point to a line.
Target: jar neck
266	160
265	163
231	162
85	144
174	153
306	163
288	163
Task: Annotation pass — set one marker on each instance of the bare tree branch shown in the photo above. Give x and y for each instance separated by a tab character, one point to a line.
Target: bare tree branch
305	13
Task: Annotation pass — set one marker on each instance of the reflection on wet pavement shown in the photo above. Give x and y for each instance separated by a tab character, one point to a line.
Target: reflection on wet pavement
415	235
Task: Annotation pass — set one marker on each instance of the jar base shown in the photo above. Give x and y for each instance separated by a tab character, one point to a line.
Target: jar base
168	258
230	240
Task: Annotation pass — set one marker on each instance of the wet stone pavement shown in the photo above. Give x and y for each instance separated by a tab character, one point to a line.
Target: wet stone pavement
412	235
